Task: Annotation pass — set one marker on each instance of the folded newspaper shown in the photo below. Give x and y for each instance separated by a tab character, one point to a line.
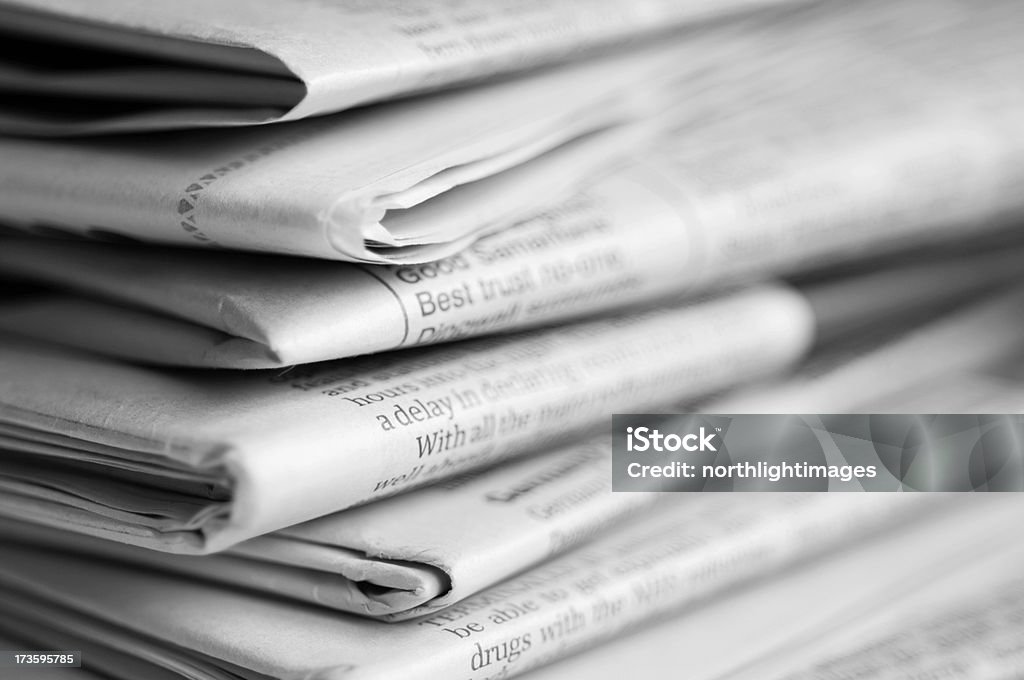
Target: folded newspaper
417	552
357	186
236	311
379	560
196	461
657	564
756	193
778	626
894	367
967	621
419	179
375	560
115	65
994	387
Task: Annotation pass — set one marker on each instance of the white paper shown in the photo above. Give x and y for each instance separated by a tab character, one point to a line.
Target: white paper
935	93
228	456
863	375
415	553
656	565
338	187
757	193
787	615
320	57
962	622
592	254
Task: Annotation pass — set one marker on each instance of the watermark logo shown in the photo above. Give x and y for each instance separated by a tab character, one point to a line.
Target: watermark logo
824	452
651	439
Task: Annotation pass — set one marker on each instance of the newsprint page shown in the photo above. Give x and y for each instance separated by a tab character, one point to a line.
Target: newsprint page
561	339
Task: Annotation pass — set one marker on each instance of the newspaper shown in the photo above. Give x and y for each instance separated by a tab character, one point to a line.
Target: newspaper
965	622
228	62
652	566
753	195
591	254
358	186
420	179
865	373
982	391
228	456
994	387
790	612
415	553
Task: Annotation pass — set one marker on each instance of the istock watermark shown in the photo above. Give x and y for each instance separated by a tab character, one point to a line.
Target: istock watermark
824	452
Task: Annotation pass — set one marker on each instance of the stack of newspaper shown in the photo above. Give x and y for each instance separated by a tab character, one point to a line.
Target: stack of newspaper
315	315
